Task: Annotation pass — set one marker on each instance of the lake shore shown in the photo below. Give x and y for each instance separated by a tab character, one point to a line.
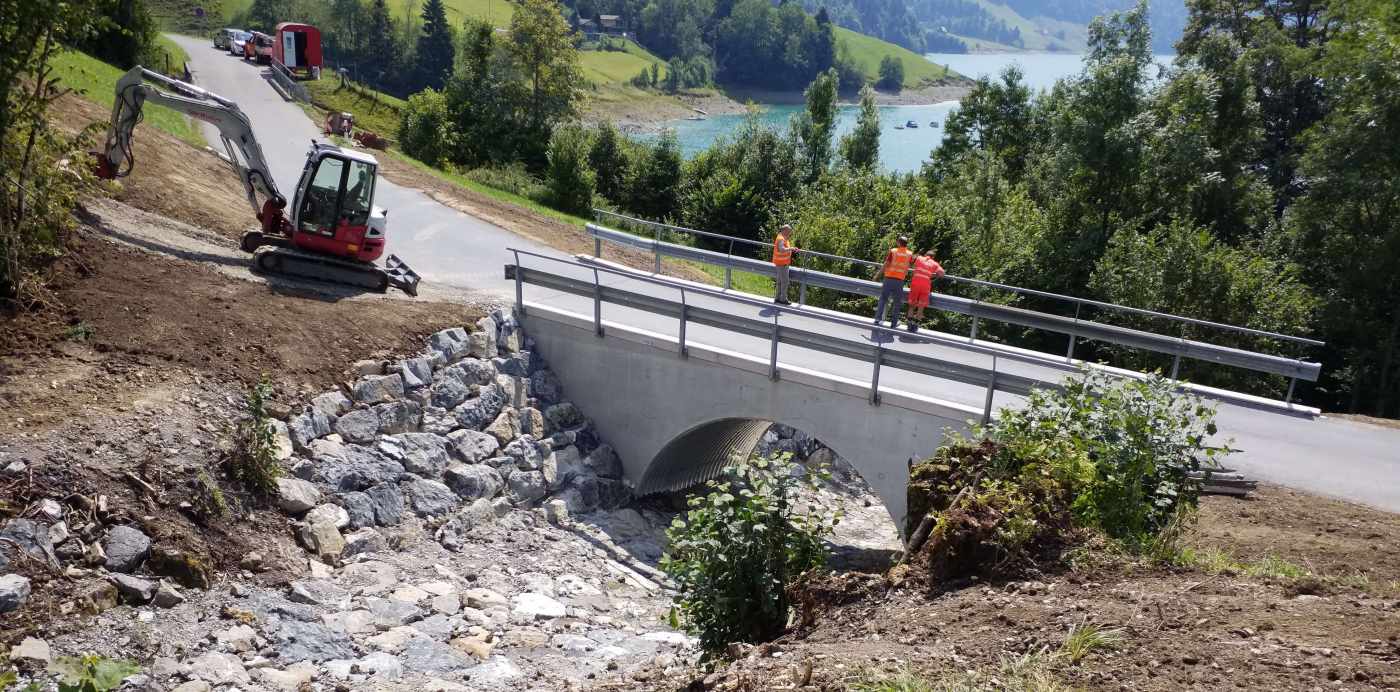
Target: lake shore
651	115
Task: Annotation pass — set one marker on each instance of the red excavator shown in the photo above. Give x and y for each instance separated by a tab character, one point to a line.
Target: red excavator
334	233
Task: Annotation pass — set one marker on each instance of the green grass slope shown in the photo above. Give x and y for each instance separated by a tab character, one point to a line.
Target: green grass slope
498	12
868	51
97	81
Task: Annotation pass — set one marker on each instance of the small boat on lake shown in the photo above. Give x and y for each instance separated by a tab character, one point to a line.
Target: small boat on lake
912	125
899	127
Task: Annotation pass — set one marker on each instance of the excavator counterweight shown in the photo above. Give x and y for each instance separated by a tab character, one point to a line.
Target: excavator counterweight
331	232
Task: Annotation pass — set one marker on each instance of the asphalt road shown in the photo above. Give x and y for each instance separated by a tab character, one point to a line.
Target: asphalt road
1335	457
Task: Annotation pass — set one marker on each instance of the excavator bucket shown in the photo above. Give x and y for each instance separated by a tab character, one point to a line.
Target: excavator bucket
401	276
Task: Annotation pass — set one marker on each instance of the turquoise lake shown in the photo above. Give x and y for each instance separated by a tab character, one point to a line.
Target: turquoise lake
901	149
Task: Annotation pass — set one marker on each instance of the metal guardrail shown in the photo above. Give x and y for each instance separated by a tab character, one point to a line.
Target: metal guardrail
1079	303
687	313
1074	328
285	80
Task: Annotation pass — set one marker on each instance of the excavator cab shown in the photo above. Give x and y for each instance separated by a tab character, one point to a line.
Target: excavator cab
334	208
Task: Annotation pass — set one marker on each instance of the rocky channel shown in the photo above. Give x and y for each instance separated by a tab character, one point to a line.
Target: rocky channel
463	525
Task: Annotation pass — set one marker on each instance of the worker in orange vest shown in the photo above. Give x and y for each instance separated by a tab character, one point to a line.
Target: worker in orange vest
892	276
925	269
782	259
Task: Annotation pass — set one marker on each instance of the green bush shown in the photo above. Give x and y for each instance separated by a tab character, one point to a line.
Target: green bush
1144	441
425	129
513	179
571	181
891	74
91	673
739	546
253	461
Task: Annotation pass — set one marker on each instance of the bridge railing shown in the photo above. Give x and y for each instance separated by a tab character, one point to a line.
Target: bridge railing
1075	329
659	230
688	309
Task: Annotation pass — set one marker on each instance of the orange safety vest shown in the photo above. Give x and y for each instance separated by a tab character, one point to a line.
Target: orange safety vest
782	256
925	268
898	266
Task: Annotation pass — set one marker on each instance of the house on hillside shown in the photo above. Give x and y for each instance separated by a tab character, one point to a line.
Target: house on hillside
600	26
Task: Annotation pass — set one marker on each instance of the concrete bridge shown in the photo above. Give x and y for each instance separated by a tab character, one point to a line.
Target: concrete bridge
684	378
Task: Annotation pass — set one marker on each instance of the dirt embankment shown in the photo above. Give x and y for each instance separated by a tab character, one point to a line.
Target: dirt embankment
1317	606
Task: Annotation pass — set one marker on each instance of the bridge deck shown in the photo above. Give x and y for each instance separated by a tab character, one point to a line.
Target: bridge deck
1338	457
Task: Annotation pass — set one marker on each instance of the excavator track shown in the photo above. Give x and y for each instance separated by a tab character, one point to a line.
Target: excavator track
306	265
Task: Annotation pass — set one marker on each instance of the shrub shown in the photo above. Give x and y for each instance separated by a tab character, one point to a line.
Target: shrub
425	128
891	74
513	179
92	673
1143	438
571	181
253	461
739	546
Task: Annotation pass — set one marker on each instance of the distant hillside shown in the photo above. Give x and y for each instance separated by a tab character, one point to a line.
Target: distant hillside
1023	25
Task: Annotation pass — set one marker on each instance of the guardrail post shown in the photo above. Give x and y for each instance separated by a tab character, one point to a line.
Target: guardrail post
656	249
597	246
519	286
1291	382
729	271
802	289
973	337
597	305
681	338
875	376
1176	365
1069	355
991	389
773	355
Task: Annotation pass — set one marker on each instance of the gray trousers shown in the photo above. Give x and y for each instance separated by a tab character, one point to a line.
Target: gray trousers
892	294
781	294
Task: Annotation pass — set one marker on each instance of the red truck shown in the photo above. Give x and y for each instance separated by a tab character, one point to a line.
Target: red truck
297	47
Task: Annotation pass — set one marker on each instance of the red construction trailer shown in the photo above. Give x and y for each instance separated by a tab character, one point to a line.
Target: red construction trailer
297	47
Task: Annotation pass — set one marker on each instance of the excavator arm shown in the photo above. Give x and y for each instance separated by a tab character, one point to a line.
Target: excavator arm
245	156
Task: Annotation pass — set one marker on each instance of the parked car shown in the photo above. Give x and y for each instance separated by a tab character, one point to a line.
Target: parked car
258	48
236	41
223	38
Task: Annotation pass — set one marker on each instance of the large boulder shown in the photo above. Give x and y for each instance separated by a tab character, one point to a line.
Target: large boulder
449	393
398	417
134	590
351	467
562	465
359	508
309	641
332	404
474	482
29	536
309	426
295	495
14	591
387	501
472	371
450	343
526	453
472	446
430	498
416	372
423	454
360	426
477	413
509	336
454	532
603	461
506	427
545	387
376	389
564	415
527	486
482	342
322	538
126	548
532	423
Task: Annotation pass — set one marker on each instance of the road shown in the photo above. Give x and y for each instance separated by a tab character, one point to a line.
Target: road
1340	458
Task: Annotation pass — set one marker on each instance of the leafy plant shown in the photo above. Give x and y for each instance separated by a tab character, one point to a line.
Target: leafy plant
209	500
91	673
253	461
741	543
79	332
1085	638
1144	441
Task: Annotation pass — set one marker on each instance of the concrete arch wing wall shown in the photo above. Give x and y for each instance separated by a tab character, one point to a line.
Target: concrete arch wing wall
678	420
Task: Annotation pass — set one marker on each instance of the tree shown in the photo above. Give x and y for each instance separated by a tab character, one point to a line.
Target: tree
655	187
425	128
383	50
824	42
571	181
265	14
891	74
609	162
436	47
994	117
125	33
543	50
861	148
1347	227
816	125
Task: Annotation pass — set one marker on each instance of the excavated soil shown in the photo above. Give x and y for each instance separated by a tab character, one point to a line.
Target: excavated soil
1338	629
